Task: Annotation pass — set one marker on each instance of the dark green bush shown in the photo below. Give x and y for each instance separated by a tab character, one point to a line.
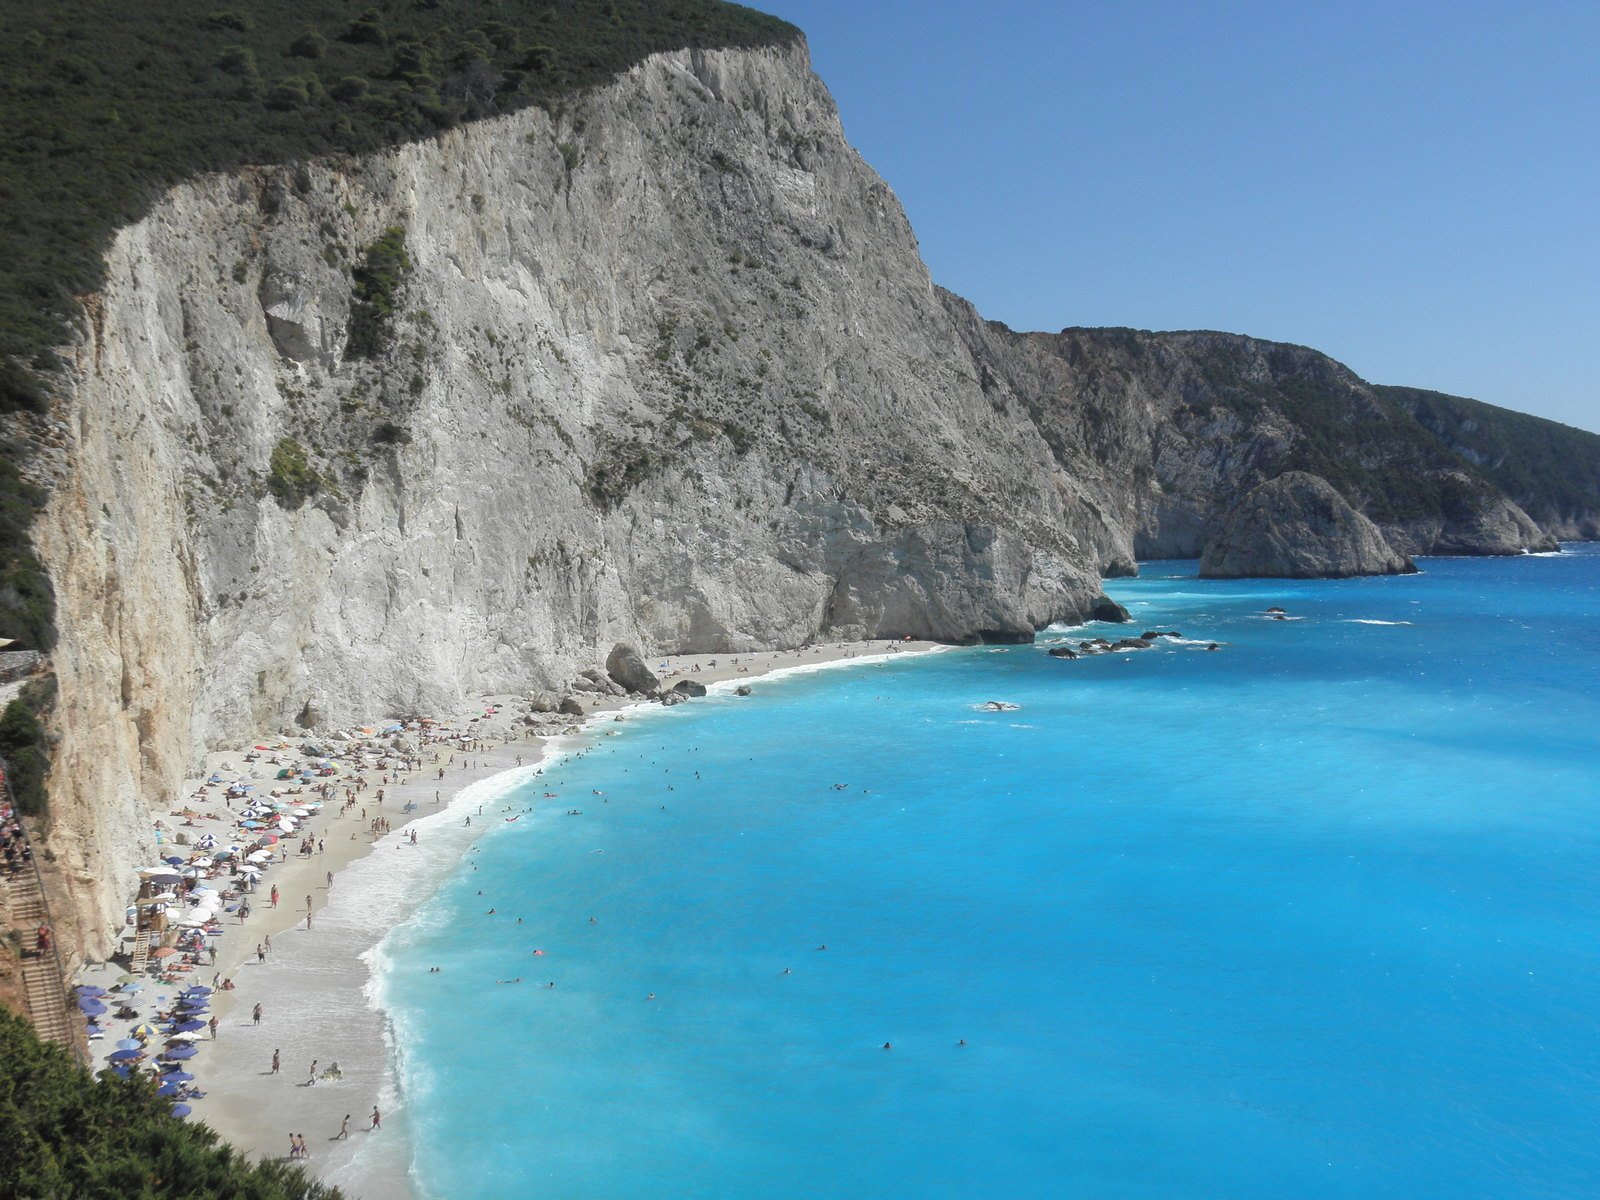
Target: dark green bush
70	1134
381	274
27	752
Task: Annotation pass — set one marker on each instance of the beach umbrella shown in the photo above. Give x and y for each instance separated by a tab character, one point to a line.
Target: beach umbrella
198	989
178	1075
173	860
167	1089
130	1044
125	1055
181	1111
122	1069
179	1053
89	989
131	988
188	1026
94	1031
91	1006
184	1037
143	1030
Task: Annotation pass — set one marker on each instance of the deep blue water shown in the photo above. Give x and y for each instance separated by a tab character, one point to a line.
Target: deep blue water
1315	915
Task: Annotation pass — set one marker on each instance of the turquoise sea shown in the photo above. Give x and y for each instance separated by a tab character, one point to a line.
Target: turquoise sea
1313	915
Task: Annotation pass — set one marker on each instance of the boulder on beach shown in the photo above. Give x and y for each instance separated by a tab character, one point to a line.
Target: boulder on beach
625	666
688	687
309	717
570	707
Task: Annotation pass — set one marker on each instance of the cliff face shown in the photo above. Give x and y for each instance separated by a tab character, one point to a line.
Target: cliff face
1189	423
663	366
1298	527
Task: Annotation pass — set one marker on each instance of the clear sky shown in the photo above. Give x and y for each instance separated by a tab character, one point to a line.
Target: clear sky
1412	187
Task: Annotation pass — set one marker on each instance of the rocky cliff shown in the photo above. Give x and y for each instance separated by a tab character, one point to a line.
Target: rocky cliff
659	365
663	367
1297	526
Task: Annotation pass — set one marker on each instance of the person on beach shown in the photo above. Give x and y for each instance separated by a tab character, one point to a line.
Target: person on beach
213	1026
267	942
377	1120
275	1063
344	1128
274	903
261	955
294	1147
311	1082
255	1015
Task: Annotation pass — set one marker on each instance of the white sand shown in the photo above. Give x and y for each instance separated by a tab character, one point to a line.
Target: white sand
312	985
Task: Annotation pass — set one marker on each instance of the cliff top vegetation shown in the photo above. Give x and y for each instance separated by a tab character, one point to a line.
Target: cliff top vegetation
105	104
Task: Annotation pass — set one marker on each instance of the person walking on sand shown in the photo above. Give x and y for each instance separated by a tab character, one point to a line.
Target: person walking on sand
261	955
274	901
294	1148
255	1015
308	918
344	1128
213	1026
274	1070
312	1081
377	1121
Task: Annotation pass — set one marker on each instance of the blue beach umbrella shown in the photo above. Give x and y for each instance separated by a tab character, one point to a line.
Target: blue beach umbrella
197	990
89	989
175	859
179	1052
95	1030
181	1110
91	1006
167	1089
188	1026
130	1044
178	1075
123	1055
121	1069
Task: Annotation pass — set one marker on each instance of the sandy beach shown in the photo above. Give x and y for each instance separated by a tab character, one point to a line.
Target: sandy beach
313	985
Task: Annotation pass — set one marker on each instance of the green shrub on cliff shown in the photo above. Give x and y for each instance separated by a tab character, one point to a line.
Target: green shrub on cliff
381	274
290	475
69	1134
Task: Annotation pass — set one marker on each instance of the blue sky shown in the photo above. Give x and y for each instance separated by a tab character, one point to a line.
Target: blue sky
1413	188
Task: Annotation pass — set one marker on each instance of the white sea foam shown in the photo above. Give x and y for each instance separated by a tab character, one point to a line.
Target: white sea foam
1373	621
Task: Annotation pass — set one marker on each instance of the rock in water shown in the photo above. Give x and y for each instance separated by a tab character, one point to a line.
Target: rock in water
1063	652
688	687
742	690
625	666
1298	526
1107	609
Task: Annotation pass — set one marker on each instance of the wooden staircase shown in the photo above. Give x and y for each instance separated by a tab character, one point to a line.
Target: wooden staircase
45	989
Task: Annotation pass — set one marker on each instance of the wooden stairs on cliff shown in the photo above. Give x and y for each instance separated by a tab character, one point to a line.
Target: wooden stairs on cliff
42	984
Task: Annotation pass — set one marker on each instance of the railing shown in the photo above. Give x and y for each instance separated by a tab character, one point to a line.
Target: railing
44	904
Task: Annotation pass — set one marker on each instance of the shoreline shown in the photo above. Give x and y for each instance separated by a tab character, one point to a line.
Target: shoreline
318	986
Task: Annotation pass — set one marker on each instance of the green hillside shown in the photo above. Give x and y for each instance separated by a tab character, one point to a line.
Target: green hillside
1551	470
104	103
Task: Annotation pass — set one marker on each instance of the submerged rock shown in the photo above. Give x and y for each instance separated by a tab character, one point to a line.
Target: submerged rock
1063	652
1298	526
742	690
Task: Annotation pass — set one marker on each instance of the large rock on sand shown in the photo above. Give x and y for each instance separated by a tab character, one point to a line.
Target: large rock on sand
625	666
1298	526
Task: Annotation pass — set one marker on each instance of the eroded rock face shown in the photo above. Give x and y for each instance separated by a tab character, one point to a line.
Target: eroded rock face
1298	526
